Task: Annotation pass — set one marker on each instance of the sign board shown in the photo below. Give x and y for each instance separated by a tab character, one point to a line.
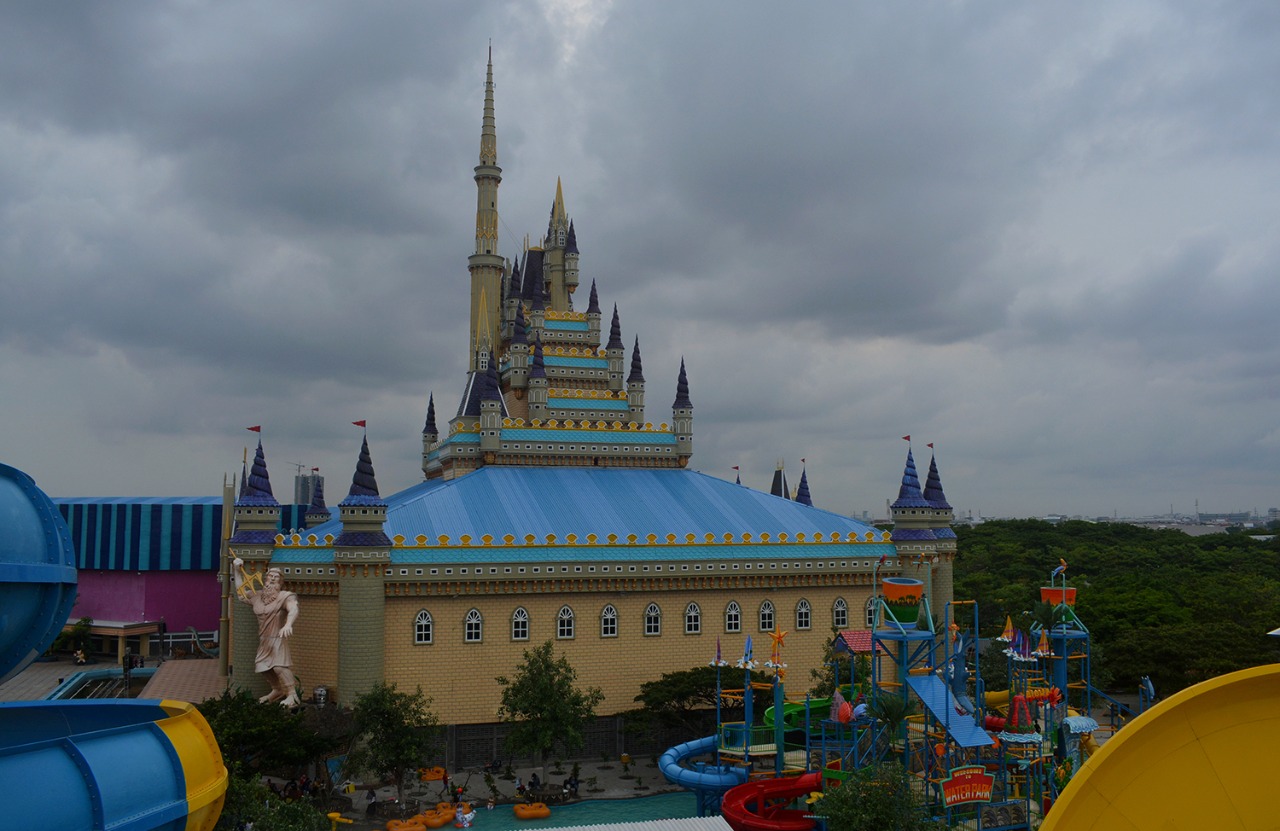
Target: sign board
967	784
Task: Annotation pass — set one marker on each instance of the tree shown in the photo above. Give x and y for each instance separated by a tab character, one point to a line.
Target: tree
258	737
679	699
395	732
248	800
873	798
544	707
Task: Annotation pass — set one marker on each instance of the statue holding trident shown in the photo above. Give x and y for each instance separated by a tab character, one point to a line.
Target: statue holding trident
276	610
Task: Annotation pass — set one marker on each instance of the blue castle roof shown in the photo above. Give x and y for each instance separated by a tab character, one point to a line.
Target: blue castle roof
557	502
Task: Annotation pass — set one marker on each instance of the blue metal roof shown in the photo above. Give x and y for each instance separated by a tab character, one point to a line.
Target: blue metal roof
520	501
567	325
580	363
588	403
595	436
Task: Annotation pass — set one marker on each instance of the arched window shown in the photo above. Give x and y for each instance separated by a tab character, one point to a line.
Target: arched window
609	622
474	627
422	627
840	614
804	615
733	617
692	619
520	624
564	623
652	620
766	616
871	613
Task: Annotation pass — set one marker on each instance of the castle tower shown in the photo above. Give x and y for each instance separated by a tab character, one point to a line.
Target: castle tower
802	492
518	353
635	387
940	524
537	384
682	418
257	517
430	435
485	264
533	296
491	412
511	300
778	487
912	520
317	511
361	553
614	351
593	314
561	261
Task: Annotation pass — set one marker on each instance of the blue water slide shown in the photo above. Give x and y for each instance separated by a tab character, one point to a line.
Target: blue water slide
708	781
117	765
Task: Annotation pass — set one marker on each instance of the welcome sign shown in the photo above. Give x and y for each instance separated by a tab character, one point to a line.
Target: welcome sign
970	783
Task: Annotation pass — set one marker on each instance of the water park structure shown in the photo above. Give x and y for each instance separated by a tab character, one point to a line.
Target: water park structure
991	758
110	764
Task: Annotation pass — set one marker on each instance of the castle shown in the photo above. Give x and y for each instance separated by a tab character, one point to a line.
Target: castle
555	508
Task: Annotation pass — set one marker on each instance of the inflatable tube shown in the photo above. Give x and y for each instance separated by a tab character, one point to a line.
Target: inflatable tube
434	774
534	810
37	572
708	778
111	764
762	805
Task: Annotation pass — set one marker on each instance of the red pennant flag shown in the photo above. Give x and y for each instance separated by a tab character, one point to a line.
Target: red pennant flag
257	428
907	437
802	461
359	423
314	469
929	445
735	467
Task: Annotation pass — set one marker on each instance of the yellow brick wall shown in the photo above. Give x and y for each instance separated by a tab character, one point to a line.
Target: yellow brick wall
460	676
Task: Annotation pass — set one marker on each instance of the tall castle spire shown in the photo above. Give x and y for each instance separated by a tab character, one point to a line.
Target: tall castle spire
486	265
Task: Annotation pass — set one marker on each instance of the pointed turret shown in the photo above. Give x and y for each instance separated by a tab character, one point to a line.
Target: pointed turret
778	487
635	386
615	352
802	494
257	513
486	264
533	280
363	511
518	355
933	488
491	413
317	511
593	315
912	516
430	436
571	245
682	418
537	383
511	299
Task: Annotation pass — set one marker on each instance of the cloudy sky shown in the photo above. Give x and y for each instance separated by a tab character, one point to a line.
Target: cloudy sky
1042	236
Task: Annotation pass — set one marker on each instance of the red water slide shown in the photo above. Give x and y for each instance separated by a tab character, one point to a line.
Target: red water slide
762	805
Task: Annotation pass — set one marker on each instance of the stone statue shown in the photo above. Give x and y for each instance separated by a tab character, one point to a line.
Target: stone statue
276	610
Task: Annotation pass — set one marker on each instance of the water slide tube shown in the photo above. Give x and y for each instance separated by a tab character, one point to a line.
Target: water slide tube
1199	759
117	765
111	764
762	805
702	778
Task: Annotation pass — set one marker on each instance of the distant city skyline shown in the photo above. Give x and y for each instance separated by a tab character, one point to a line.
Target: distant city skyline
1040	237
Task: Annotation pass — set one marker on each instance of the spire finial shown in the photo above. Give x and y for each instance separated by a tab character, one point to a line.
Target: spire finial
615	331
682	401
430	426
363	483
593	302
933	486
637	372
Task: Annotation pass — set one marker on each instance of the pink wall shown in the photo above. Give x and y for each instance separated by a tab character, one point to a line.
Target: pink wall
180	598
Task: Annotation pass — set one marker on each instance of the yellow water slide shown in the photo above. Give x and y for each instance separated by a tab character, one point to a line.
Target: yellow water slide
1204	758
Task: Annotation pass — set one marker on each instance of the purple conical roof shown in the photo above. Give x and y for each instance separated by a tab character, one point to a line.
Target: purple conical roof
519	335
802	493
515	289
492	390
257	490
682	401
909	495
531	290
571	244
933	488
615	331
637	372
537	369
363	483
430	426
317	498
593	302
